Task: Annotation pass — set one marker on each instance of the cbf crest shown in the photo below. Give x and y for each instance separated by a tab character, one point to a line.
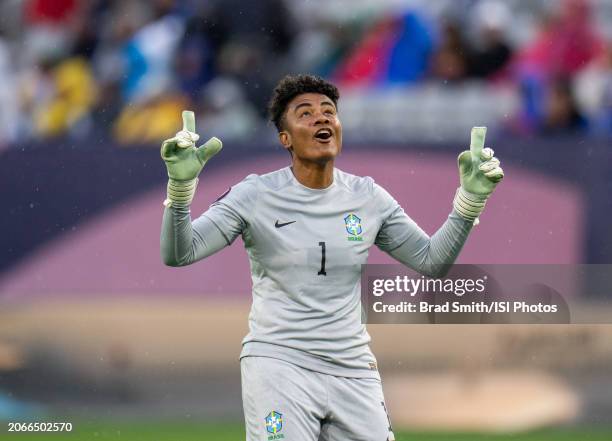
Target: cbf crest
352	222
274	424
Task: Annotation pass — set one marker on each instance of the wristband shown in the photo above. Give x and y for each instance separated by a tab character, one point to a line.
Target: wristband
180	193
469	205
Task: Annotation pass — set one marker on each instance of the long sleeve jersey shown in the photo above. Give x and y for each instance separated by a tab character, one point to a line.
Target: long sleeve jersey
306	247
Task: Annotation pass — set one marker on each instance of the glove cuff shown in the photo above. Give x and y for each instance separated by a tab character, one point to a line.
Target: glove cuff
180	193
469	205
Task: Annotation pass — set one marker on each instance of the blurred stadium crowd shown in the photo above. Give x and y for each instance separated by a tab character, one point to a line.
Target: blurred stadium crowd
72	67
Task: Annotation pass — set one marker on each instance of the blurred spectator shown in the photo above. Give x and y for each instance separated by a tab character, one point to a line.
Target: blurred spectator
565	43
195	58
117	25
148	80
396	49
409	58
366	64
562	115
255	38
320	46
48	26
148	55
451	60
151	121
9	111
55	12
86	31
59	95
594	92
491	51
225	111
74	95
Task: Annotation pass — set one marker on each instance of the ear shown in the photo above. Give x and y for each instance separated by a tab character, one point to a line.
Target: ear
285	139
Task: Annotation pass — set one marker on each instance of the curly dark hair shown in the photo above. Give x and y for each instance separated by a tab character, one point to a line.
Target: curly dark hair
292	86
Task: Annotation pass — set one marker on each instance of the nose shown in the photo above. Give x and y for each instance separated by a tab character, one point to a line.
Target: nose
321	118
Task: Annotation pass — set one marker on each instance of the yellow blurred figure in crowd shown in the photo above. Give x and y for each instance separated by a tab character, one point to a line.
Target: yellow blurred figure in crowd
74	94
149	121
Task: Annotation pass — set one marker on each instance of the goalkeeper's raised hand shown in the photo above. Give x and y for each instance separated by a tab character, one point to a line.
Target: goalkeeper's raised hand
185	162
479	173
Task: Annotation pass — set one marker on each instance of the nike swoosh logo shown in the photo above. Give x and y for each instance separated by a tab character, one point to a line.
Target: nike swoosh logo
279	225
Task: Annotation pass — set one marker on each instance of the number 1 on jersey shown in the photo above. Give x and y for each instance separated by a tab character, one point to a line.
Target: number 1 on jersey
322	270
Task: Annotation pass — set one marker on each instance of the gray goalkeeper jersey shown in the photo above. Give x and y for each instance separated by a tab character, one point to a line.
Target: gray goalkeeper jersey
306	247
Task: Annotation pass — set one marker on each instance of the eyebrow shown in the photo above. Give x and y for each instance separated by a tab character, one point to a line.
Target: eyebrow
299	106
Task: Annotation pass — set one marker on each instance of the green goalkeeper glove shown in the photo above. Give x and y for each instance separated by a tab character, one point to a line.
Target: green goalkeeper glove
479	173
185	162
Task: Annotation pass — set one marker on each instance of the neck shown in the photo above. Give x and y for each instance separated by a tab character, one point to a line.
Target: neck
313	175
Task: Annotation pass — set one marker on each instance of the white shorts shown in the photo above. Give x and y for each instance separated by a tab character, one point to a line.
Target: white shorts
283	401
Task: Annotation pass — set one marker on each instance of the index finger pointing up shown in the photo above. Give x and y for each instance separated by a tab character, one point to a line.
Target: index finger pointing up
188	121
477	141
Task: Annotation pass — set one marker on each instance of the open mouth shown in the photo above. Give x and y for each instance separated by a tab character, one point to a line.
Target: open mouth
323	134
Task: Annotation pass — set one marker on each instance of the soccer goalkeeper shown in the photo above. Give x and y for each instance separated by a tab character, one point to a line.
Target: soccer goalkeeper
307	370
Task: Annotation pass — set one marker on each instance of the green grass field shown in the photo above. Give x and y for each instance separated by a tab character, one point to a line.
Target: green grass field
162	431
